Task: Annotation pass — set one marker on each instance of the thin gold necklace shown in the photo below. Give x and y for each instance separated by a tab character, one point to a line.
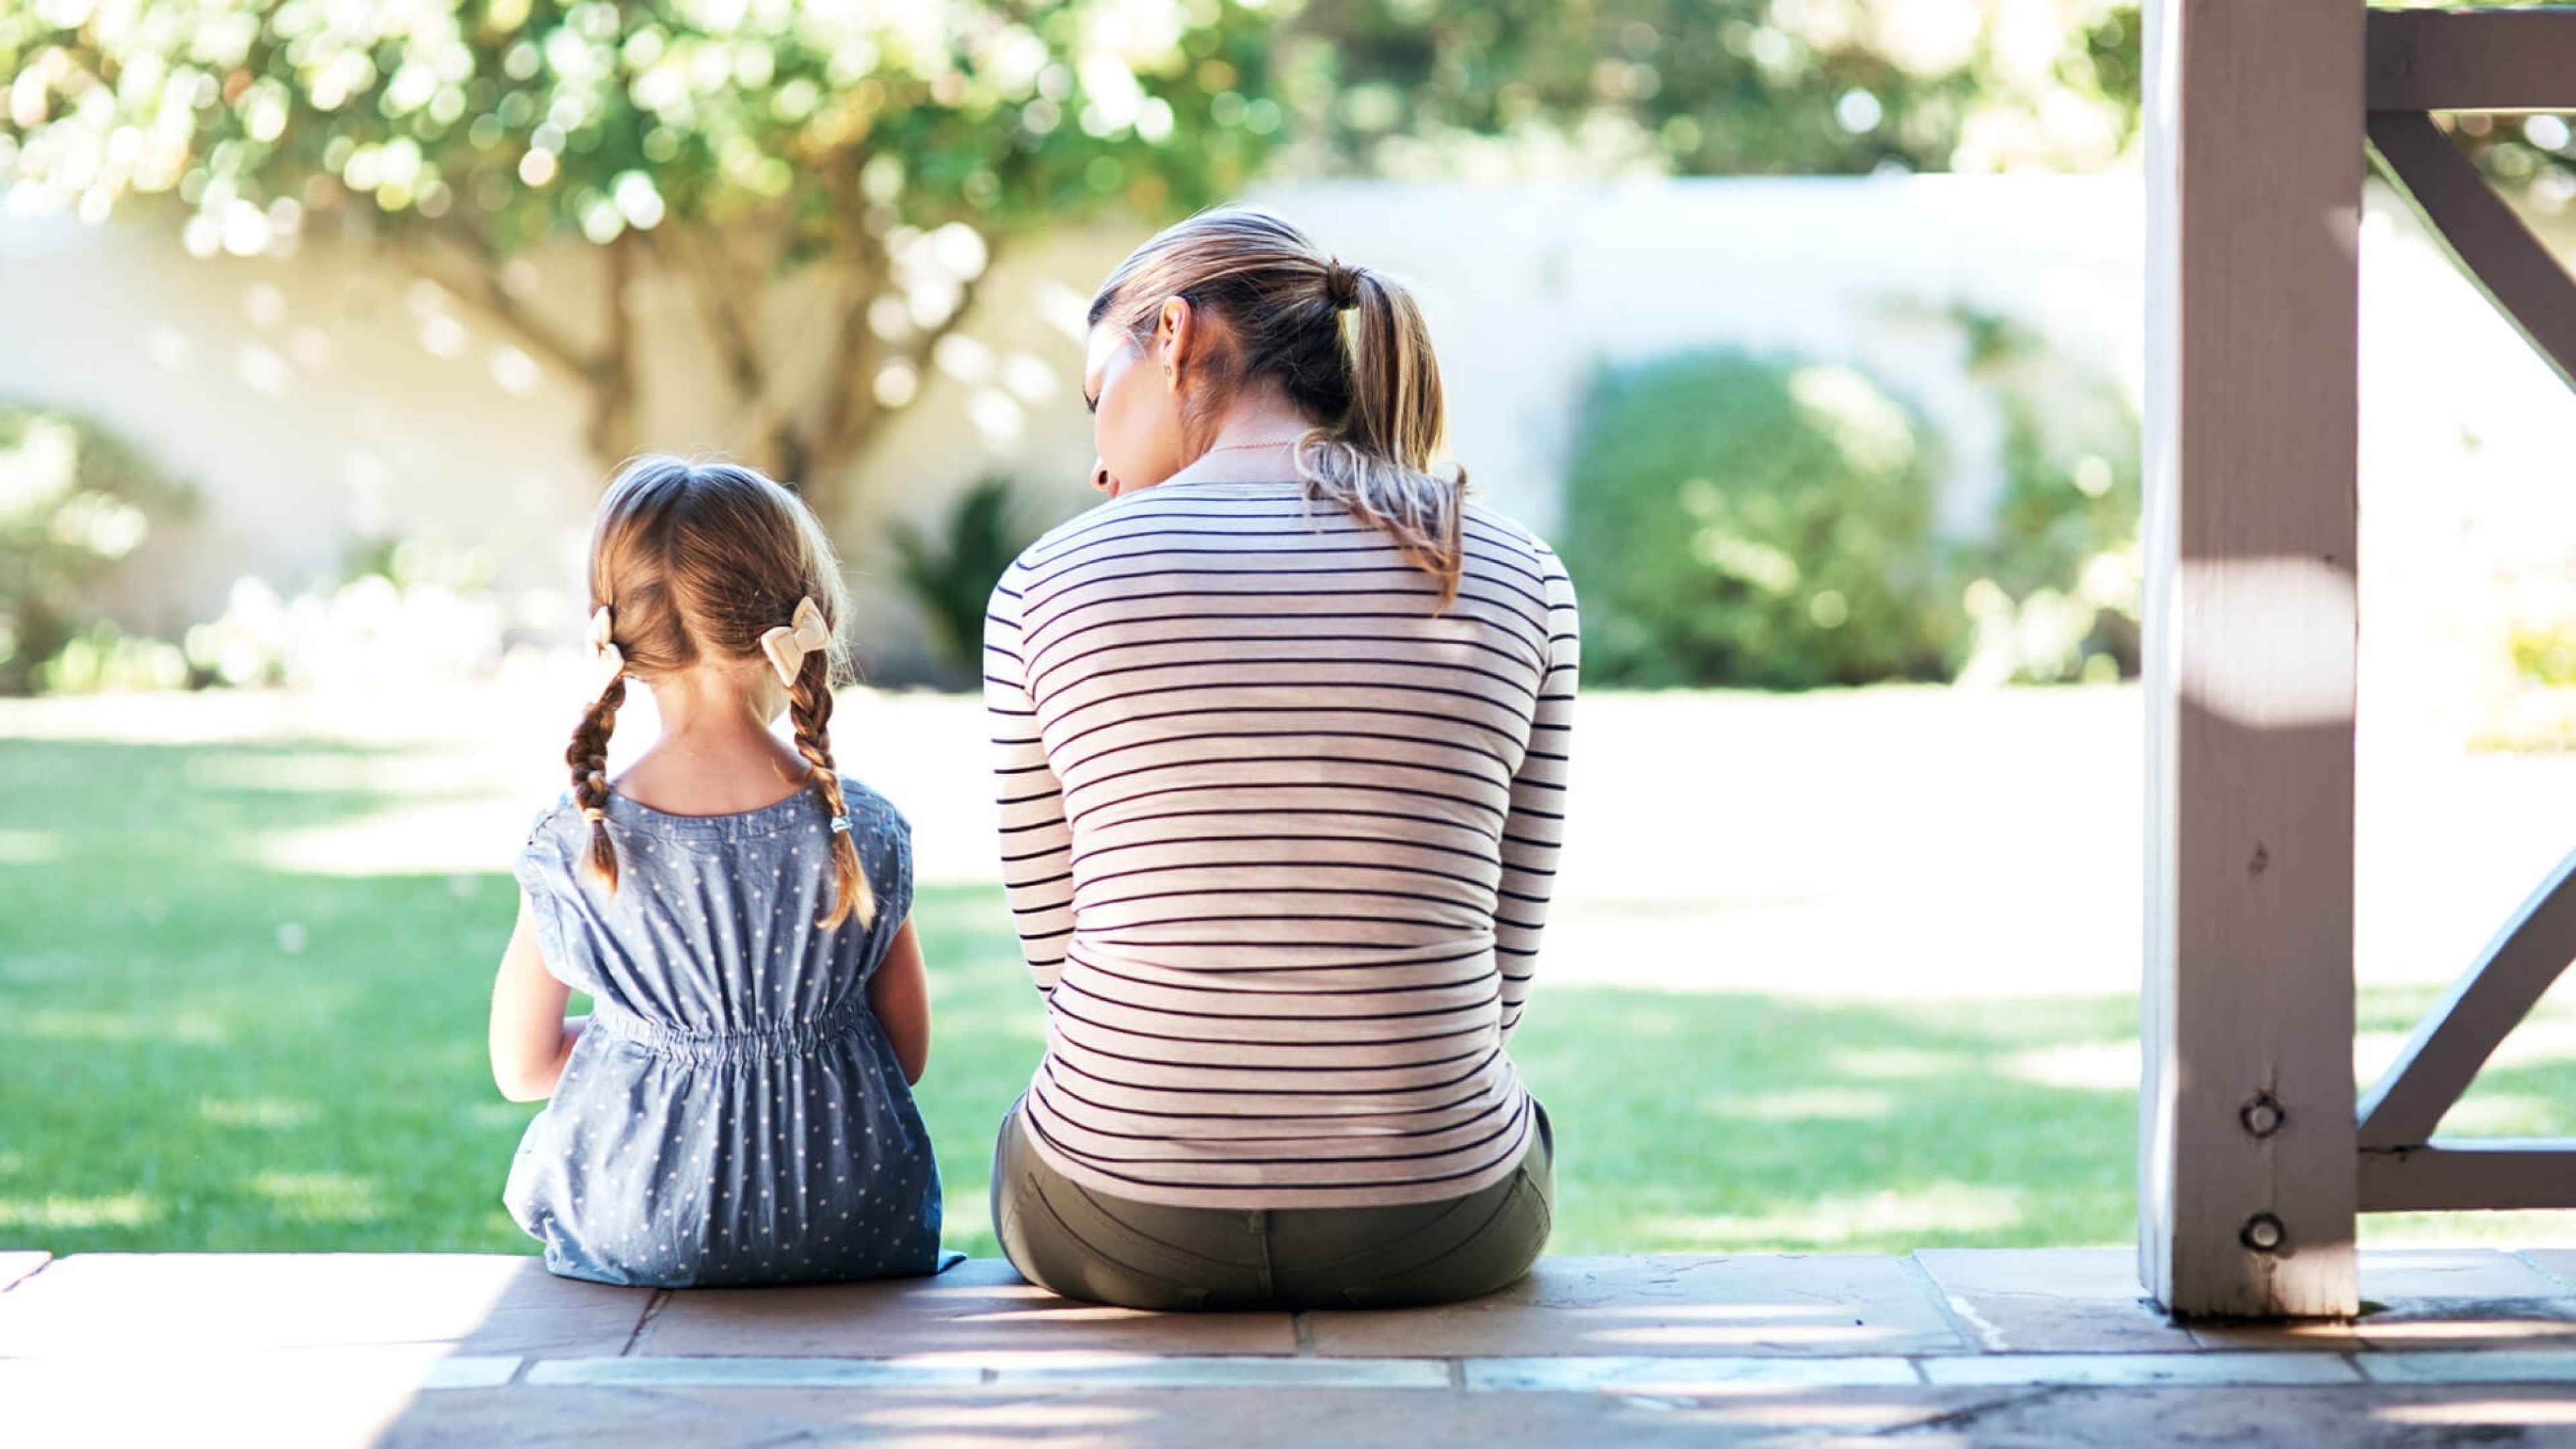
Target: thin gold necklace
1274	443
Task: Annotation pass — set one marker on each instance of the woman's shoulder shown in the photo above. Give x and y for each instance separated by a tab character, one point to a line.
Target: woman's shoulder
1499	528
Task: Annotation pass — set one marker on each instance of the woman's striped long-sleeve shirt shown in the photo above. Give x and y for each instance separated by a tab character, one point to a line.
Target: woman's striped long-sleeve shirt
1279	830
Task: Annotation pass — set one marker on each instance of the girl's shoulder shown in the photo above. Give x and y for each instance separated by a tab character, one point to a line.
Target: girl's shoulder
554	816
870	811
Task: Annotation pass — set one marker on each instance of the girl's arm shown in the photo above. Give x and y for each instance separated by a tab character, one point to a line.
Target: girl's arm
899	994
531	1037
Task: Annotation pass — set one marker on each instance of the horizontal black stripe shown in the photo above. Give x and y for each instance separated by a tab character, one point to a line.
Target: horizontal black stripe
1163	646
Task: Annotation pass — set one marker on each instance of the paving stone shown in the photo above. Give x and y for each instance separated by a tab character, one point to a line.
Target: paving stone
2559	1263
1682	1376
472	1371
1858	1306
2140	1370
2431	1298
2363	1417
2052	1300
978	1307
1309	1418
799	1373
1033	1371
2469	1366
14	1266
1238	1371
124	1303
273	1398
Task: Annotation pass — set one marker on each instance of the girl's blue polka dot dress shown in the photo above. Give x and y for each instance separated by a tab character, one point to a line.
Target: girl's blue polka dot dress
733	1114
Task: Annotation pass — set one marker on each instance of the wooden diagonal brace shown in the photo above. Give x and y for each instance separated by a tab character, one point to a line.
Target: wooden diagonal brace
2488	1001
2509	264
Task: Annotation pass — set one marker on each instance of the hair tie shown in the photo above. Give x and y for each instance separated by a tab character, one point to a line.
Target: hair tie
606	662
840	825
788	644
1342	285
593	814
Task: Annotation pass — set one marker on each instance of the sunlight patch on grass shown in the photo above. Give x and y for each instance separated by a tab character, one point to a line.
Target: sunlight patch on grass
193	1028
2504	1114
269	1112
2373	1052
1810	1104
1932	1208
2539	1041
2520	1229
1894	1063
443	837
315	772
332	1197
2099	1066
29	847
57	1213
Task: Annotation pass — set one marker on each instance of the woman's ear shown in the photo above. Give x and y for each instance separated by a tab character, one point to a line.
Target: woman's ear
1175	334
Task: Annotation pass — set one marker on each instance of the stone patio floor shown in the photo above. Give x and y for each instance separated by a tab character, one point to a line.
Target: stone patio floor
1942	1347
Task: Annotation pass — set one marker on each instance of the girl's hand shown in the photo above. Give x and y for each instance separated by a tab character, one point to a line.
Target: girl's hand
899	994
531	1037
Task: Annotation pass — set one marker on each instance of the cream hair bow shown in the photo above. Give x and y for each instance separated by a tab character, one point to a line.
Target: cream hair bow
606	661
788	644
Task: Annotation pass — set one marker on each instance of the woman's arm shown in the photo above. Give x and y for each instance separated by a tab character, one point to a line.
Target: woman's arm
1536	827
531	1037
1037	843
900	996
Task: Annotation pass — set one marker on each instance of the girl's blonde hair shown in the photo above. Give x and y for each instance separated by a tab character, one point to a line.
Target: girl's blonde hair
698	561
1347	345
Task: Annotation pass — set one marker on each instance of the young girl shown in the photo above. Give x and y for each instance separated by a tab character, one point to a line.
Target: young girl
737	1107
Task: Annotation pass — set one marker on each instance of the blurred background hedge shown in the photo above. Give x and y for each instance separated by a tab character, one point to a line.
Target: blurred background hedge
1772	522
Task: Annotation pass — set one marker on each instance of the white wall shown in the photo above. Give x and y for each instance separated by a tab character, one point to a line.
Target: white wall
321	397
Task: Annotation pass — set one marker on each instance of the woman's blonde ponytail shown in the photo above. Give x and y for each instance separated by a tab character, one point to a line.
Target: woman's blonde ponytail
1377	464
1347	346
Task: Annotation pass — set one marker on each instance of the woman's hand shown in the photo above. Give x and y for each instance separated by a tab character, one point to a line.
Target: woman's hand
531	1037
899	994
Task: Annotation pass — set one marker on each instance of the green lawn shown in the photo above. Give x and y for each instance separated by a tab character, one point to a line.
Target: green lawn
201	1051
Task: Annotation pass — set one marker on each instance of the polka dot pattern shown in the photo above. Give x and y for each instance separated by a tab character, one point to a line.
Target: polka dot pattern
735	1114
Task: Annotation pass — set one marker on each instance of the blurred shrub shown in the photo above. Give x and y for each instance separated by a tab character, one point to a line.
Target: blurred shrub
2544	651
2054	585
951	577
75	504
401	610
1737	520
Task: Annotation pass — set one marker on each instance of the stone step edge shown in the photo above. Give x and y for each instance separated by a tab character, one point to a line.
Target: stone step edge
1077	1371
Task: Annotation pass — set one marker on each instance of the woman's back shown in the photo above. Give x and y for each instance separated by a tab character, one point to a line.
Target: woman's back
735	1113
1307	813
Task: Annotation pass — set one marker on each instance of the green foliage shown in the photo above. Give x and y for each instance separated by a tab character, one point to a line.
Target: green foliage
2544	651
2055	582
876	154
1711	87
1747	521
952	578
75	504
515	120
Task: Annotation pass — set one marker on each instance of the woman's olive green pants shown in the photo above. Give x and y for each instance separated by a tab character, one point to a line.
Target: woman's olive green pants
1083	1244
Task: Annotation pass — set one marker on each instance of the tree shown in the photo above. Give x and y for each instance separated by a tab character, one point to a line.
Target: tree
878	153
869	158
1709	87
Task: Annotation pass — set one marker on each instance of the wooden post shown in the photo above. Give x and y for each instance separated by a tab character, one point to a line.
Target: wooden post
2248	1160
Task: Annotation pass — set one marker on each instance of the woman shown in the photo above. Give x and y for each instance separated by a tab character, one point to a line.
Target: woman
1282	734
